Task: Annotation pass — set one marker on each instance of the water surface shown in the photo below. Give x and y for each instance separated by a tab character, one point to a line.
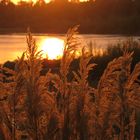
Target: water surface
13	45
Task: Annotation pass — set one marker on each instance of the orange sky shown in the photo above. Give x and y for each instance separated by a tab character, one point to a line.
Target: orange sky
47	1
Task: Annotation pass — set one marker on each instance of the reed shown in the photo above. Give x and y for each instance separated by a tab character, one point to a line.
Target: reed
53	107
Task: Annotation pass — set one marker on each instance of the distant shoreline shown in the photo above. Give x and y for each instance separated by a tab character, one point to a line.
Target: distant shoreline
13	31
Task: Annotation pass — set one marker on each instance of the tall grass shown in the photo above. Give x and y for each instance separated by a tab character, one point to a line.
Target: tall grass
52	107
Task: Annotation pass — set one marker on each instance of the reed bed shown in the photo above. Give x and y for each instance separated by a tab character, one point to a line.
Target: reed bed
52	107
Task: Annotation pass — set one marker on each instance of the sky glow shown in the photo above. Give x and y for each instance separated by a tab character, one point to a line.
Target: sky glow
34	1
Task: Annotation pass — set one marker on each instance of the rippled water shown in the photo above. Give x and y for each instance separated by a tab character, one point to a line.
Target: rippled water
12	46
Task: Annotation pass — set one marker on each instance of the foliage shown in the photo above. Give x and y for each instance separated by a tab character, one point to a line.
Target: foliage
52	107
94	16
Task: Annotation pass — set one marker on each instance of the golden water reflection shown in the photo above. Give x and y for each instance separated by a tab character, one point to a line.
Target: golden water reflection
52	48
12	46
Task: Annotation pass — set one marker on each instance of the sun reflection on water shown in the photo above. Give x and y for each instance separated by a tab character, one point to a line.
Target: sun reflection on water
52	48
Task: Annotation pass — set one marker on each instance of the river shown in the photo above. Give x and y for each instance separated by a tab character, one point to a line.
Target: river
12	46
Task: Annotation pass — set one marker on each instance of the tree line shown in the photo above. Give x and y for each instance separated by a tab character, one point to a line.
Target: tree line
100	16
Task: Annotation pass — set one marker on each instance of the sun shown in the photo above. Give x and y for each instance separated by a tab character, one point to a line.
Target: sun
52	48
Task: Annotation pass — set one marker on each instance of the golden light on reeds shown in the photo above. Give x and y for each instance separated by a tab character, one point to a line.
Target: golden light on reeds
52	48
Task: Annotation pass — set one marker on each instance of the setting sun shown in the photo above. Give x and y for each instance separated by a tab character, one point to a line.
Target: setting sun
52	48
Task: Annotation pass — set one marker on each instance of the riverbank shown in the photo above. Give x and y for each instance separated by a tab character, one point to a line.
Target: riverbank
23	31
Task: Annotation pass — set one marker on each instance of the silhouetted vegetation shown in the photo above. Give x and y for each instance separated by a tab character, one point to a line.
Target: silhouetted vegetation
52	107
100	16
111	52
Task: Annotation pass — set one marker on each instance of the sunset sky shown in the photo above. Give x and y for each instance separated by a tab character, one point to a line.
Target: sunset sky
47	1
